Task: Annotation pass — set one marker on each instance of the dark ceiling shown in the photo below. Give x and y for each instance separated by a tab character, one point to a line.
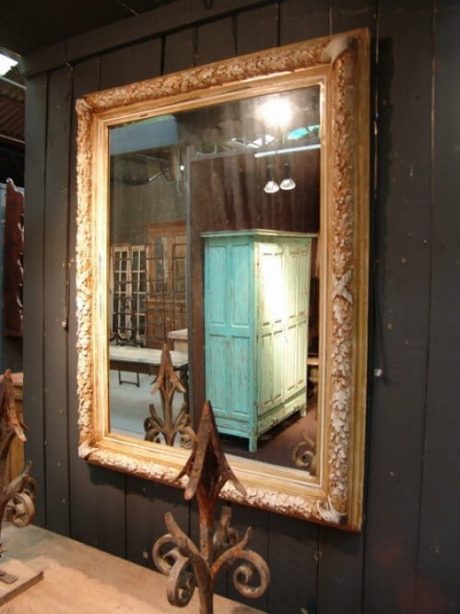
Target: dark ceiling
26	25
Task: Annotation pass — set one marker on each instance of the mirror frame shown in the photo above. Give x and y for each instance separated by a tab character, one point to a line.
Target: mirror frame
340	64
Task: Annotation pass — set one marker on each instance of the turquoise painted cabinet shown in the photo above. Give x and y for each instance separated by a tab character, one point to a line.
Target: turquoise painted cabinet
256	301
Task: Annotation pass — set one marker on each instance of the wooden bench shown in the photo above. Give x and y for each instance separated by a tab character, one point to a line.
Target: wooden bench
143	360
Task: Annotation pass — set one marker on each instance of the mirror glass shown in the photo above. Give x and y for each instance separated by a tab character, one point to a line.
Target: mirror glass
215	232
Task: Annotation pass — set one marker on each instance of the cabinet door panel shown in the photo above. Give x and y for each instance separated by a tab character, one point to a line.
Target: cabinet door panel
272	289
217	372
240	286
216	286
241	384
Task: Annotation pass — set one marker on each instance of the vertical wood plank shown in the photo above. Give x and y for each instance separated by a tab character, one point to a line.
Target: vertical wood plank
340	573
97	495
352	14
216	41
303	19
438	582
257	29
179	51
55	301
402	224
34	414
147	505
293	561
131	64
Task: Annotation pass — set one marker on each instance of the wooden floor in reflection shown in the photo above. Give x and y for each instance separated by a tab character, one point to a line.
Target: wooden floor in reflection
129	406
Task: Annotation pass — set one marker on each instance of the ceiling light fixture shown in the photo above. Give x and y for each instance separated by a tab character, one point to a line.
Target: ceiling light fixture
288	182
6	64
271	187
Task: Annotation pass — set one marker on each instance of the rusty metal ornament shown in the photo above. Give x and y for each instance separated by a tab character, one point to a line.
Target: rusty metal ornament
168	384
304	454
16	497
175	554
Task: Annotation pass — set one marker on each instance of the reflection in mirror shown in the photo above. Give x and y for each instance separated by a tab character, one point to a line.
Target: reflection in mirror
214	251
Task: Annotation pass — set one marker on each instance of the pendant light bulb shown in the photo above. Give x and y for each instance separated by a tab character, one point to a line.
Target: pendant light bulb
288	182
271	187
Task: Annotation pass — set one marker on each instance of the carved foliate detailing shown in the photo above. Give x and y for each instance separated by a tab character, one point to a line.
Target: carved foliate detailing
342	279
287	59
84	272
328	513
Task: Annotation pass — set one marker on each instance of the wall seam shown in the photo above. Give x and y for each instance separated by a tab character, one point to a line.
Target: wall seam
434	10
375	319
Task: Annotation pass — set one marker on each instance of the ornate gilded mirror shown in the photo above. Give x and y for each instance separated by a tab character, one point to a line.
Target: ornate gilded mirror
222	254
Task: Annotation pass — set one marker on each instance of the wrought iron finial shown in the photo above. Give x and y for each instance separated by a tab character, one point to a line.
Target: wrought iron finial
178	557
207	466
168	384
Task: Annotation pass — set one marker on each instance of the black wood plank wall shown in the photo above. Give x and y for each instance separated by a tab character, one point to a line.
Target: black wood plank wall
405	560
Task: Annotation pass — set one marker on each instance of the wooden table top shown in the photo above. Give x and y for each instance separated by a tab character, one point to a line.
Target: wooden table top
179	335
145	356
80	579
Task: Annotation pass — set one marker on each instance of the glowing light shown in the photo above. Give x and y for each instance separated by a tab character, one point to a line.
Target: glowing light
287	184
6	64
271	187
276	111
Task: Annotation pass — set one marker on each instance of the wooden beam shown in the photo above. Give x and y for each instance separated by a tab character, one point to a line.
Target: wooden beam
150	24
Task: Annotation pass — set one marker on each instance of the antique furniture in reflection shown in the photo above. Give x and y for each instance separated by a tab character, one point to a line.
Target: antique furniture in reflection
337	68
256	328
179	339
143	360
169	427
127	292
165	303
189	566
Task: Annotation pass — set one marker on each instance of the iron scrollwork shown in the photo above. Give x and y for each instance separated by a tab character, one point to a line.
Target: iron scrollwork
177	556
168	384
